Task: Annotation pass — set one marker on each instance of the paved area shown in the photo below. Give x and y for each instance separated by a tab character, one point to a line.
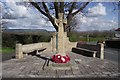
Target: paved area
7	56
34	66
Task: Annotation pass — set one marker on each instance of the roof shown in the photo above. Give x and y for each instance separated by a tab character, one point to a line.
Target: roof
117	29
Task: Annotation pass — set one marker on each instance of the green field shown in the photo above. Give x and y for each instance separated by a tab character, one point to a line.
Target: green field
91	39
7	50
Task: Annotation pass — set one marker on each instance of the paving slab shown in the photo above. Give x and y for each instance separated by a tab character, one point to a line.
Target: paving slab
80	66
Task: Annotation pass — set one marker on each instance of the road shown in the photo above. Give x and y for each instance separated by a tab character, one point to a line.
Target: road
7	56
112	54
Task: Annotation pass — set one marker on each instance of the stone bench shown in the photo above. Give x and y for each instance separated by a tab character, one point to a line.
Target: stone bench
84	51
28	48
37	50
99	47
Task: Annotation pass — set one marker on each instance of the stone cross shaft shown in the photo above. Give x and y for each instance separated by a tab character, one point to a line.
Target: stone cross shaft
59	22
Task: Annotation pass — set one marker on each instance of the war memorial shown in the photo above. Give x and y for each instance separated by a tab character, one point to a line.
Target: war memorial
59	58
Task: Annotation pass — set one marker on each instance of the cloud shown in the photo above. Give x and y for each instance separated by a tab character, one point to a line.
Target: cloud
21	17
22	24
11	10
98	10
94	20
18	16
94	23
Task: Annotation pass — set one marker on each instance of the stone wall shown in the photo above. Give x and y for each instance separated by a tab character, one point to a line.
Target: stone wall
47	45
29	47
68	45
50	46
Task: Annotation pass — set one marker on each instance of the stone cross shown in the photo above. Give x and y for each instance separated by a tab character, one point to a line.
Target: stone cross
59	22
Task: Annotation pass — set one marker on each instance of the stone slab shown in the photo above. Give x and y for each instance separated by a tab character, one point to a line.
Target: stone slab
31	67
61	66
65	66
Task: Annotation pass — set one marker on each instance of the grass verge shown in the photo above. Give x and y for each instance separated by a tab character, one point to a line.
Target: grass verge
7	50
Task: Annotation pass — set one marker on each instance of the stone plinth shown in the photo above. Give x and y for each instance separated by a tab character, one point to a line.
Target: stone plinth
61	66
71	65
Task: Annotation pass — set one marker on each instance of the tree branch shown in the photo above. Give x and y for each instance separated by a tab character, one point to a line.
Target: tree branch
56	6
38	8
46	14
62	7
81	8
72	7
67	4
45	8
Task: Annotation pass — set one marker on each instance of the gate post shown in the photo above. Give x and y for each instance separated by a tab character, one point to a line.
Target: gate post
19	53
101	53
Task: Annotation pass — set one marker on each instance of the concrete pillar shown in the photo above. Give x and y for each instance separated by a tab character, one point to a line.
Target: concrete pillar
101	50
53	41
94	54
19	53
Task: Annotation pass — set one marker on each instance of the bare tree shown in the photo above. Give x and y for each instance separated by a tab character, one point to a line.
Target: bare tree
116	5
70	9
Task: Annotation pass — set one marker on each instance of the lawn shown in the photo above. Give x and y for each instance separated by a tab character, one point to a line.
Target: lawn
7	50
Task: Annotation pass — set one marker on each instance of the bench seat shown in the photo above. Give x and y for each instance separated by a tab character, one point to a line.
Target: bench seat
83	50
37	50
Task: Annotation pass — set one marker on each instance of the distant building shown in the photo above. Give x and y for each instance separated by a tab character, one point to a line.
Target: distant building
2	29
117	33
115	41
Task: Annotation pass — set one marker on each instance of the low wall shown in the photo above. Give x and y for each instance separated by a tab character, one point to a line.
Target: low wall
29	47
50	46
69	46
47	45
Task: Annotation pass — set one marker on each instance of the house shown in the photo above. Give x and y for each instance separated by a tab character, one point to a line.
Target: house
117	33
114	42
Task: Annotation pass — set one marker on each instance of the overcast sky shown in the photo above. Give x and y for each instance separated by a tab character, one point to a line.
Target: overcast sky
100	16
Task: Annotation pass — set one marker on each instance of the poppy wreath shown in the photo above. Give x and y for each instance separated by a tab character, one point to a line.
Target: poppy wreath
57	58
